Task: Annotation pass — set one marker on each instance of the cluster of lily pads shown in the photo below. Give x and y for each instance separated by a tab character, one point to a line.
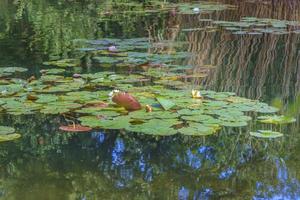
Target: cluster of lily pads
107	53
251	26
255	26
134	55
173	111
155	85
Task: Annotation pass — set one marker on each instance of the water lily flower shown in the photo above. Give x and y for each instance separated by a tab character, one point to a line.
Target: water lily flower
196	10
196	94
112	48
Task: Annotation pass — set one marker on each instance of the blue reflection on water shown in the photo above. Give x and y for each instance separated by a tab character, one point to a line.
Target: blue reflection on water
226	174
117	153
126	174
247	153
2	192
287	188
196	157
149	175
183	193
99	137
192	160
204	194
142	164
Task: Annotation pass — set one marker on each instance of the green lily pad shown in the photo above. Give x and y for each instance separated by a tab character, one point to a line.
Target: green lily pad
121	122
9	137
143	115
275	119
5	130
54	71
197	129
12	69
63	63
156	127
266	134
165	103
234	123
265	108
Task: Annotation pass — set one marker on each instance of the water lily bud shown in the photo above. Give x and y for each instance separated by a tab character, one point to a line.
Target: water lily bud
31	78
112	48
76	75
127	101
196	10
113	92
148	108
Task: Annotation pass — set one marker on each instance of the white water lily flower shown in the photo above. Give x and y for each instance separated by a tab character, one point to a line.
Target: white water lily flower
112	93
196	10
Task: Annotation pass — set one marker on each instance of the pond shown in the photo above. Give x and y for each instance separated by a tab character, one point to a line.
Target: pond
149	99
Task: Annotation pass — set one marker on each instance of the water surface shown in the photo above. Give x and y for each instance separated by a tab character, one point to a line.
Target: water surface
46	164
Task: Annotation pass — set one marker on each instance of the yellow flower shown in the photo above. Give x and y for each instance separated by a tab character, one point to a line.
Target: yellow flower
196	94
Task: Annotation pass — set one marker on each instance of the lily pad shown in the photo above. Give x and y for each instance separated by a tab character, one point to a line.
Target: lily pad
9	137
165	103
197	129
266	134
75	128
5	130
275	119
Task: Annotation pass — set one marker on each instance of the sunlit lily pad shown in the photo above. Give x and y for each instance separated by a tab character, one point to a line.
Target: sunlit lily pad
8	133
165	103
156	127
197	129
63	63
266	134
9	137
275	119
5	130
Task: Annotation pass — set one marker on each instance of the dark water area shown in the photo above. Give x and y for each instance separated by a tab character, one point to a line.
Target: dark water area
47	164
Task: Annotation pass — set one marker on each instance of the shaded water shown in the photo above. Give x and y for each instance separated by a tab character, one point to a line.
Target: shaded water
46	164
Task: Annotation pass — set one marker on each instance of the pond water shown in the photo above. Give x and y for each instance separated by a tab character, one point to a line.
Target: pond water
249	48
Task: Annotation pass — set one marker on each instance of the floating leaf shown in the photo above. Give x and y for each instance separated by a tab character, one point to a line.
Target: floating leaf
165	103
266	134
63	63
156	127
275	119
75	128
5	130
9	137
197	129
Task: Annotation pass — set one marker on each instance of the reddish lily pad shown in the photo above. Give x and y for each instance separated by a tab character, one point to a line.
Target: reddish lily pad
75	128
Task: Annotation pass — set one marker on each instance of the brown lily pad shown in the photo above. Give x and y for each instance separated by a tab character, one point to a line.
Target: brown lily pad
75	128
